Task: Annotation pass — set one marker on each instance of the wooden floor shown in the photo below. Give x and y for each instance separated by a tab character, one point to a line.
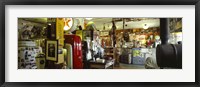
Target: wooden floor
129	66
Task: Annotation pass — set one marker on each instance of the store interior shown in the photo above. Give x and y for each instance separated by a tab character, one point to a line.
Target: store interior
99	43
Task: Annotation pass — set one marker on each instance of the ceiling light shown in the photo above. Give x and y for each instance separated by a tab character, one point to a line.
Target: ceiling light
88	18
145	26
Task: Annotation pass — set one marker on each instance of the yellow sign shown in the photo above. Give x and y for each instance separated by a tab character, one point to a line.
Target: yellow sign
60	30
68	22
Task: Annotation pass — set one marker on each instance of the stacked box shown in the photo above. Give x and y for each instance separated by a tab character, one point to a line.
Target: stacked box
138	57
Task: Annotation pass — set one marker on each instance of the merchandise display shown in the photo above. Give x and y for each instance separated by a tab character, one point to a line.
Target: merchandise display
125	56
40	61
32	31
26	55
97	43
141	54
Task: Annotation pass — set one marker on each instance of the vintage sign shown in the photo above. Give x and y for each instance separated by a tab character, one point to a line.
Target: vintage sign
60	30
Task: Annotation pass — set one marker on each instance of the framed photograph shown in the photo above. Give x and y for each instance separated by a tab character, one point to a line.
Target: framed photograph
11	10
52	50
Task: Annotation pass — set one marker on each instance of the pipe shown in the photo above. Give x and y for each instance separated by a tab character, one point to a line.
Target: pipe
113	33
164	30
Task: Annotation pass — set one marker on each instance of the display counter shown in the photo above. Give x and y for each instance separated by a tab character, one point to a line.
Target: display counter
137	56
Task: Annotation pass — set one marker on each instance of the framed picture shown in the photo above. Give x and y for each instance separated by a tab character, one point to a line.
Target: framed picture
52	50
10	76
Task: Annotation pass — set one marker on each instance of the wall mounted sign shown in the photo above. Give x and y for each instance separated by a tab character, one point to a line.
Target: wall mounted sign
68	23
60	30
52	50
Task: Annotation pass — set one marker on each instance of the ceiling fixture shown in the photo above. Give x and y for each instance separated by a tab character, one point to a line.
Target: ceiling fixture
145	26
88	18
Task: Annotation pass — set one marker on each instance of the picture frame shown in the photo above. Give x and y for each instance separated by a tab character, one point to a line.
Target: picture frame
99	2
52	50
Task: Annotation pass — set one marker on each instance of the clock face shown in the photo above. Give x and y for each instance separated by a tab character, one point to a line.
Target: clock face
68	23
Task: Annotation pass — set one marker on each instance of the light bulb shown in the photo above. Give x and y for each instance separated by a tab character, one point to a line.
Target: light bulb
145	26
88	18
